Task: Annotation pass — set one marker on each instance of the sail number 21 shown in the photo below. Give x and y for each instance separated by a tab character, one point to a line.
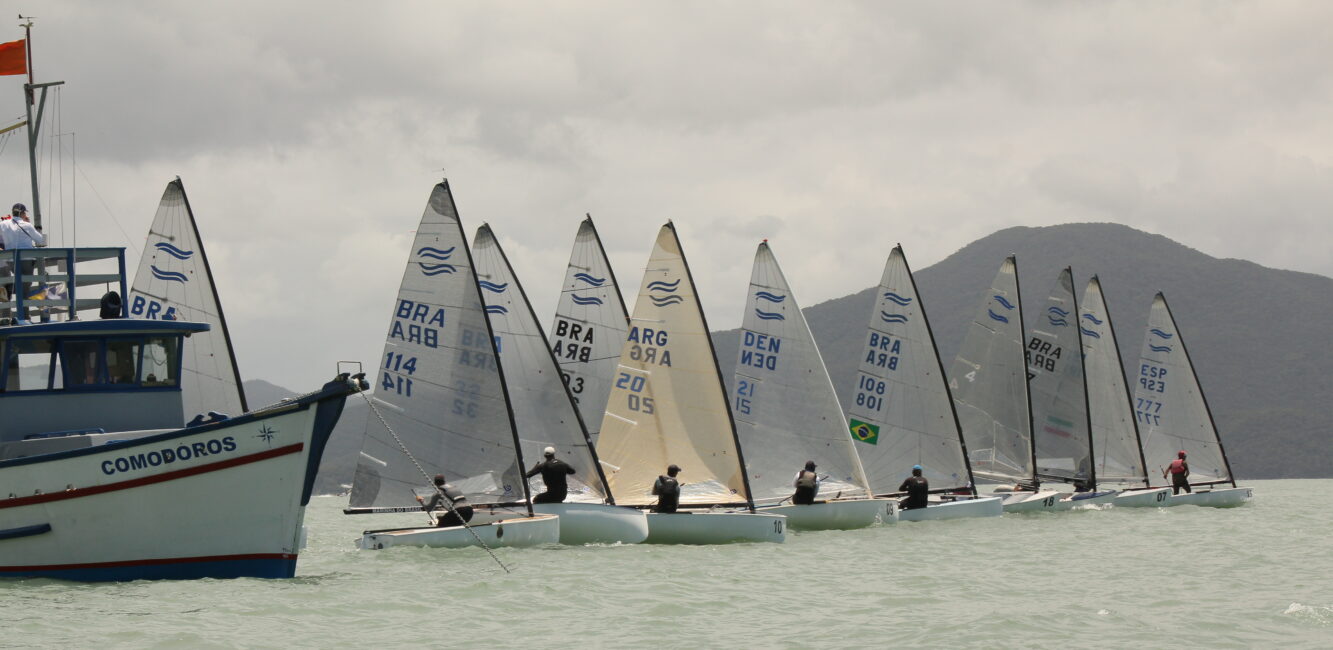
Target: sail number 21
396	364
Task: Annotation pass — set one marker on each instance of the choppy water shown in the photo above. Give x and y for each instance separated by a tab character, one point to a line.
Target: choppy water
1257	576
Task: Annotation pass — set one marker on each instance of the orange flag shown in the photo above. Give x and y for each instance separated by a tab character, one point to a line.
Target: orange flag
13	58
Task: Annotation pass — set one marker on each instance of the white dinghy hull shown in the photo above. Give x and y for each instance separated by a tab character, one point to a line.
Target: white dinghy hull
715	528
1091	499
516	532
961	509
832	515
1044	501
1154	498
597	523
1224	498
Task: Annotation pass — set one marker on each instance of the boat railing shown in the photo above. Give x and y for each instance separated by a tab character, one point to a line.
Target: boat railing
50	284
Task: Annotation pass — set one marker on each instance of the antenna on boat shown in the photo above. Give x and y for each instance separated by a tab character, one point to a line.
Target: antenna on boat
33	125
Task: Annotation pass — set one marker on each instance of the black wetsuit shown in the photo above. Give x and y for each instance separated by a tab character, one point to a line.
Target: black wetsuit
667	490
553	471
918	492
807	485
462	512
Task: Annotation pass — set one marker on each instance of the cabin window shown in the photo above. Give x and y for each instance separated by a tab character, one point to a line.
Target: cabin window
82	366
29	364
160	360
122	360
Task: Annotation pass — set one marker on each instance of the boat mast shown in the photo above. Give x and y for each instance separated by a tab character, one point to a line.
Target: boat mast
1083	367
1216	435
33	125
610	271
1120	366
1027	377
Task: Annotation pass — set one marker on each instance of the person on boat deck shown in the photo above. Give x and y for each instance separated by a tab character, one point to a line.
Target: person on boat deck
553	471
917	488
667	491
461	512
807	485
16	232
1180	473
1082	477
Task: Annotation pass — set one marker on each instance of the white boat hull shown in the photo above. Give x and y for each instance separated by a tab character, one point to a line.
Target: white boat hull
715	527
1154	498
222	500
1044	501
597	523
961	509
514	532
1091	499
831	515
1223	498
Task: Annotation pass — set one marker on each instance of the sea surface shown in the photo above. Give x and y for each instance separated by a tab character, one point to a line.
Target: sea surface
1185	577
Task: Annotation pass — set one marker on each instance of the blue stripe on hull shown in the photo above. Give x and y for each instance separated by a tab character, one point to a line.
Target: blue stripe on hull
246	568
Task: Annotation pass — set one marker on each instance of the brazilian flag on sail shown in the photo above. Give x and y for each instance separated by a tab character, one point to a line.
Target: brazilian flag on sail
864	431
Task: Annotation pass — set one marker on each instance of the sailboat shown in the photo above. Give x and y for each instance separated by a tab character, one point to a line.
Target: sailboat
1115	434
1061	428
668	406
591	325
175	282
441	404
1173	415
990	390
903	414
544	411
787	412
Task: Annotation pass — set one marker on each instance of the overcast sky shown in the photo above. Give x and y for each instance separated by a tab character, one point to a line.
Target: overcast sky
309	135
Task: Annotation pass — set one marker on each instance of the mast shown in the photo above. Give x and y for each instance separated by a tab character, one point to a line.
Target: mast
217	300
1129	400
1216	434
615	283
731	419
596	463
1027	377
34	125
953	408
1083	366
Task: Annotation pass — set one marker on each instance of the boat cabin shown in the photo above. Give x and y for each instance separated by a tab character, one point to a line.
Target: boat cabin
72	362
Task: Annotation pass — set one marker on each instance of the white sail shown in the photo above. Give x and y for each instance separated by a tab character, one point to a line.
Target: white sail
1060	428
667	403
1169	404
439	386
1119	459
544	414
591	324
989	384
903	414
174	282
784	403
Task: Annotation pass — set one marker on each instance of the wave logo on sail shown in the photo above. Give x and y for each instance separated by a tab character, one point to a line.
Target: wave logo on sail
496	309
1092	318
1088	332
771	297
665	287
1160	348
768	315
892	318
1161	334
586	300
896	299
173	251
493	287
997	317
864	431
589	279
1004	303
1058	322
169	276
439	260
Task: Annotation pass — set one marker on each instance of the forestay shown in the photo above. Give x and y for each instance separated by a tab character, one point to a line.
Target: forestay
1169	404
1114	433
1060	428
544	414
440	387
785	406
903	414
989	384
174	282
591	324
667	403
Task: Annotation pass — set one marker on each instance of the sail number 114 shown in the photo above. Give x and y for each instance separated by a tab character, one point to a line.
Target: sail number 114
396	363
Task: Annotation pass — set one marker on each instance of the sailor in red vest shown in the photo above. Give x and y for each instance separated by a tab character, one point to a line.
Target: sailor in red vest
1180	472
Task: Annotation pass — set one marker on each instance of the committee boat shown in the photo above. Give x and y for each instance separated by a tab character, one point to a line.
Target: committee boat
441	405
668	407
787	412
545	413
1173	416
903	414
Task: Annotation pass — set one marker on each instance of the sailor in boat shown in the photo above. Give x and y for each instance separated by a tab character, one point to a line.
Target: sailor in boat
459	510
1081	483
917	488
553	471
1180	473
807	485
667	491
17	231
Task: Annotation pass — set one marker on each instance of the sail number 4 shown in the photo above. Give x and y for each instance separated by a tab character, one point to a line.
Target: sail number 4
634	384
395	363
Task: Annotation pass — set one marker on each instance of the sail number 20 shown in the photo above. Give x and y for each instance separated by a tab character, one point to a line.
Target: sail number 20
395	363
634	384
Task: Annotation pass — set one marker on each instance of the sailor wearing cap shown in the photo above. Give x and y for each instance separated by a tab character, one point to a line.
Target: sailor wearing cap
917	488
553	471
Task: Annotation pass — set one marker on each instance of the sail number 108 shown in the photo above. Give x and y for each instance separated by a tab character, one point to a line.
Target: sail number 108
395	363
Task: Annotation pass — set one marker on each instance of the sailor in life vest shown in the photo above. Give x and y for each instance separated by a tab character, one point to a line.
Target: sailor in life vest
667	491
460	511
1180	472
807	485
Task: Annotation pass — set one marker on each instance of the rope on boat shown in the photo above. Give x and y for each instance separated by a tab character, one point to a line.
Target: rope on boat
444	499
